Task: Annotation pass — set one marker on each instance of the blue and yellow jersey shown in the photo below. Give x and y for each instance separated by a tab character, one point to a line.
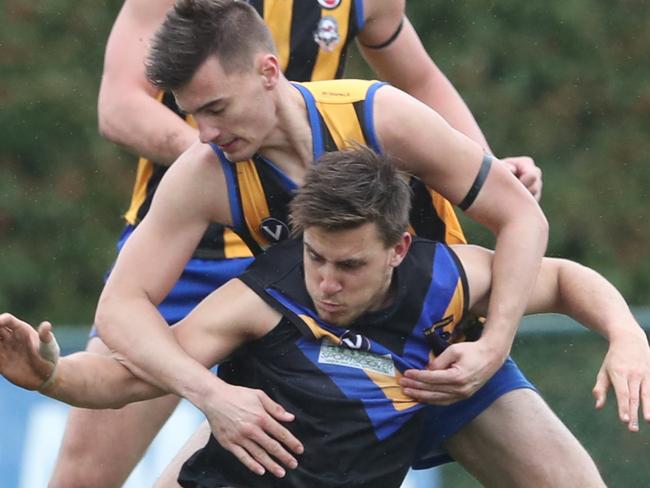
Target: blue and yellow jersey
357	426
340	113
312	38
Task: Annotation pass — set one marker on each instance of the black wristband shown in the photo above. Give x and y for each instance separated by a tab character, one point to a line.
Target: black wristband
387	42
486	164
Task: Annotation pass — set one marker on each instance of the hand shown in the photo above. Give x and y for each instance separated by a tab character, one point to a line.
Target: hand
454	375
247	423
27	358
530	175
627	367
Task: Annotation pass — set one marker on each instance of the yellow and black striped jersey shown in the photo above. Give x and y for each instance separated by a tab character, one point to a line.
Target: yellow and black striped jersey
340	112
312	38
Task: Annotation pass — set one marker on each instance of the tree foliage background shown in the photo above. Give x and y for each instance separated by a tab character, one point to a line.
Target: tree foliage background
563	81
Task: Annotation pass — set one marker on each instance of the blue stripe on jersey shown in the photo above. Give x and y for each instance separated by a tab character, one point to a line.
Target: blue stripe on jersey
441	291
314	121
360	14
355	384
373	142
288	183
233	198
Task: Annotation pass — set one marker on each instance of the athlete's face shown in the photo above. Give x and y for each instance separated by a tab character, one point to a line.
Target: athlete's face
235	111
349	272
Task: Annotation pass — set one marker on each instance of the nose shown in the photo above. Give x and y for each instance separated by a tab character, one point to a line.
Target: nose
330	284
207	132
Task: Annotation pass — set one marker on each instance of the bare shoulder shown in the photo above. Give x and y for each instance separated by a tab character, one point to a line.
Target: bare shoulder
196	182
237	308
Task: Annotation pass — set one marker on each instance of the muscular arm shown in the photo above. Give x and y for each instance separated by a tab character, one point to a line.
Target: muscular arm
406	64
569	288
129	113
448	162
191	195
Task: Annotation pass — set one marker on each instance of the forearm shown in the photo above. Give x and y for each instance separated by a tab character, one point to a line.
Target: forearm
88	380
518	253
144	126
590	299
150	349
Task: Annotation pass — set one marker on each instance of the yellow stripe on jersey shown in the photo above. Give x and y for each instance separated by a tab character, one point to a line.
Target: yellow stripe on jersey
318	331
455	308
234	247
327	62
453	232
277	16
388	384
392	389
253	200
145	170
334	101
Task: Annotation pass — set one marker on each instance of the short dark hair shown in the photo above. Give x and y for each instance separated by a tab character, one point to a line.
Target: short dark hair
346	189
193	30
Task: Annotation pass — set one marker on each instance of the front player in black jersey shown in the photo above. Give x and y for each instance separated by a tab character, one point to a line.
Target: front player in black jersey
327	327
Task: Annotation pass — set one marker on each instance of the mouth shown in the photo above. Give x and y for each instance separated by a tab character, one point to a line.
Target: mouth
226	146
329	306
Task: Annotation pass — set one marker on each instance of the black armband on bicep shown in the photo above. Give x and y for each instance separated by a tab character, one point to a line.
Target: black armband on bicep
483	171
387	42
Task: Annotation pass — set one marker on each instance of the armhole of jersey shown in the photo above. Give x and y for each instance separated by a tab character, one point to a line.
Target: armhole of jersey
233	198
369	121
461	275
360	15
314	121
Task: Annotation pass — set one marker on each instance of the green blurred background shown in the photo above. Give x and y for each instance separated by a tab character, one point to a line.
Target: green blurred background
563	81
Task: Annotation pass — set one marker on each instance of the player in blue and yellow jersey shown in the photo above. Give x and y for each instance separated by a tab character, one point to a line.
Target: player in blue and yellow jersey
219	59
329	326
313	37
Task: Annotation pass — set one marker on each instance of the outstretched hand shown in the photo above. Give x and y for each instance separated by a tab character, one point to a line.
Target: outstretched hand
456	374
27	358
248	424
626	367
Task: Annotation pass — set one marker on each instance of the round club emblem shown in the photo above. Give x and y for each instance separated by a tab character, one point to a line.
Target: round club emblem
329	4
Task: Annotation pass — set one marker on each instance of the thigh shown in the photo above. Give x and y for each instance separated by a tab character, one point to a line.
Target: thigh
100	448
518	441
169	477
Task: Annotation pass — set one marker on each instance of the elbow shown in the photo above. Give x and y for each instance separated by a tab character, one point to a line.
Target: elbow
106	125
104	317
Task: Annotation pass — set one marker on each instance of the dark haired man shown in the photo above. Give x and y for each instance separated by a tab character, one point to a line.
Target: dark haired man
313	38
328	326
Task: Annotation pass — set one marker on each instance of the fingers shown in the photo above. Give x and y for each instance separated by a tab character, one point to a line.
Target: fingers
634	385
279	432
45	332
645	399
601	388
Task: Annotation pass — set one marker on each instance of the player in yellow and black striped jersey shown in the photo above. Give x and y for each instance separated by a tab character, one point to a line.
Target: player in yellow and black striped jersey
340	114
312	39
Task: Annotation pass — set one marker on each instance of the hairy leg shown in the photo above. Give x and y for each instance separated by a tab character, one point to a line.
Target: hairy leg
169	477
100	448
519	442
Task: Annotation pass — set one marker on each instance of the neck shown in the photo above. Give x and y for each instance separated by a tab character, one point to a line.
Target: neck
289	145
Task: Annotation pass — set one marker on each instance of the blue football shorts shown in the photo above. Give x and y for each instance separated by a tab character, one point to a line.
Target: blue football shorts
442	422
199	278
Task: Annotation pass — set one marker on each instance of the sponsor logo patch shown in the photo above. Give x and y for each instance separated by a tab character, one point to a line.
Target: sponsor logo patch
330	353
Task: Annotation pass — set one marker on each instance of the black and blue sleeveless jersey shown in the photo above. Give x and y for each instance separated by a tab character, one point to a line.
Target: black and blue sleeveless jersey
358	427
